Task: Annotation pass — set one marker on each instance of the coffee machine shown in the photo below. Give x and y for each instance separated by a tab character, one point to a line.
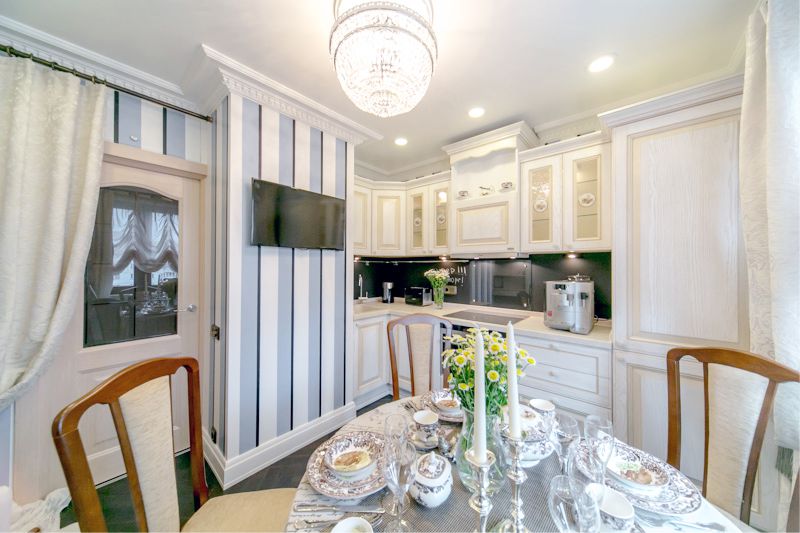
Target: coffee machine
569	304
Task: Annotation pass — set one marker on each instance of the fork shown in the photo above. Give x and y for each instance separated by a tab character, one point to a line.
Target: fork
678	525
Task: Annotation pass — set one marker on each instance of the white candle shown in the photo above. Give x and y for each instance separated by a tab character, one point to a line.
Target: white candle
513	392
479	428
5	508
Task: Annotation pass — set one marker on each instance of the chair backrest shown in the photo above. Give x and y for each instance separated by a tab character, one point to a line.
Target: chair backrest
749	367
140	401
422	334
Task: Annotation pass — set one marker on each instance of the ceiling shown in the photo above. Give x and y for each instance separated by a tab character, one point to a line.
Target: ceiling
519	59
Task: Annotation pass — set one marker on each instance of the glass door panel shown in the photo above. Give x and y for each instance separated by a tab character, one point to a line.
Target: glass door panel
440	217
541	204
586	201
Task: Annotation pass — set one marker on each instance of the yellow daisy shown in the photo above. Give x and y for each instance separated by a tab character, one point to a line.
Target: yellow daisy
494	348
504	358
463	386
493	375
460	360
520	372
531	361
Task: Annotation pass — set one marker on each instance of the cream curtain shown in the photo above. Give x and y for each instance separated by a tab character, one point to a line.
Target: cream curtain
51	149
145	231
770	196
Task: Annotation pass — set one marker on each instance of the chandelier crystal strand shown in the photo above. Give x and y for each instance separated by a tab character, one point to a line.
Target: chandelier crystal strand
384	53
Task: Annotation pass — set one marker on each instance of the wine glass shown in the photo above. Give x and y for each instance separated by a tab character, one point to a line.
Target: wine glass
561	505
600	438
399	470
587	495
565	432
396	428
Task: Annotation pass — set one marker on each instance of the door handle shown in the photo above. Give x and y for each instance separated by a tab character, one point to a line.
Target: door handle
191	308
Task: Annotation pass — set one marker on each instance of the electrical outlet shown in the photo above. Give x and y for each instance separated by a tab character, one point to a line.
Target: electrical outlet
452	290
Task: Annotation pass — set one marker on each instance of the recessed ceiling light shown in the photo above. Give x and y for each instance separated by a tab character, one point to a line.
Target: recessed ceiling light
601	63
401	141
476	112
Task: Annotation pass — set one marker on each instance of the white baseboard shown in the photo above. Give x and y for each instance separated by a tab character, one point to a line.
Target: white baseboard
233	470
367	398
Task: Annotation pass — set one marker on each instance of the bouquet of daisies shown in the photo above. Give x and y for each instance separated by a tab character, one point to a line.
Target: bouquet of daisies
438	277
460	362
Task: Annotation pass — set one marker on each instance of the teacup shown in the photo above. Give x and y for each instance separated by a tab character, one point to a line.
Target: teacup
427	423
351	524
616	511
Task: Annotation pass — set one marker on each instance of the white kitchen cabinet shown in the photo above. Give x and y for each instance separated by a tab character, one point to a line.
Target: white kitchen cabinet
388	227
361	226
427	219
484	226
372	360
565	197
576	378
587	198
540	205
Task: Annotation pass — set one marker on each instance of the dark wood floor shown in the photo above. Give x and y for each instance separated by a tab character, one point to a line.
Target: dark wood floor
116	501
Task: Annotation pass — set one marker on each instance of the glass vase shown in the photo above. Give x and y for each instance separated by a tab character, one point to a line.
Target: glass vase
438	297
494	443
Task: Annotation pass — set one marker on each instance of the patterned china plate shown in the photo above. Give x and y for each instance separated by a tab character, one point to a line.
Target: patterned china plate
679	496
328	483
639	473
430	398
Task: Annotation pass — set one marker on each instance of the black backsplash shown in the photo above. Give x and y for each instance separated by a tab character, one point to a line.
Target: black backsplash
510	283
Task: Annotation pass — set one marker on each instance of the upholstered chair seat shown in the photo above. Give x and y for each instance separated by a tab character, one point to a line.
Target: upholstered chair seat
262	510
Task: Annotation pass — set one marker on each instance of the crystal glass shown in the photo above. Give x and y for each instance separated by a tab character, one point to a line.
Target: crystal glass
399	470
561	505
565	432
600	437
396	429
494	443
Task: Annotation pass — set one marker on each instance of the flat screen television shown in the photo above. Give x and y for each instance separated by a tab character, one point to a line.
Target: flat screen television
291	218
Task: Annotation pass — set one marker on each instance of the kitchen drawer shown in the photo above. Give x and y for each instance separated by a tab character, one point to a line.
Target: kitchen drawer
584	387
571	406
574	357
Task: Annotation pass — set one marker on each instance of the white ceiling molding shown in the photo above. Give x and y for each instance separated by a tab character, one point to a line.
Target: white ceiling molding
69	55
416	170
567	145
514	136
693	96
249	83
367	170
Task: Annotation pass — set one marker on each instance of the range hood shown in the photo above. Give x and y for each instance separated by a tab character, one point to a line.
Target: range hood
493	255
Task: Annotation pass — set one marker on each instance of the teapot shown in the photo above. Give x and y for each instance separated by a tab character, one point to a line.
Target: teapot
434	480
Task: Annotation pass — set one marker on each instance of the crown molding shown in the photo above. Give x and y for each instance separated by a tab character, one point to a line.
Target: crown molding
251	84
70	55
518	129
559	147
372	169
675	101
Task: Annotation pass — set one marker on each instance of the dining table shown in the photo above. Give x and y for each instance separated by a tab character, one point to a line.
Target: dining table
455	514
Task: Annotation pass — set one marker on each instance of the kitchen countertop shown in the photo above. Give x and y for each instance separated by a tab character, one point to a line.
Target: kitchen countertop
531	326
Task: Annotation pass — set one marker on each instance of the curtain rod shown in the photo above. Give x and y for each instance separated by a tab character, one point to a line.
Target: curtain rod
10	50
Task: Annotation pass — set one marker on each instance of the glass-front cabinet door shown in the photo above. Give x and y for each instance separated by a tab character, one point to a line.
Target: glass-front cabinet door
587	216
417	205
541	205
440	195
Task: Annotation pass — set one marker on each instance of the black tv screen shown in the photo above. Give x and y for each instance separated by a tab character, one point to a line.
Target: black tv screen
292	218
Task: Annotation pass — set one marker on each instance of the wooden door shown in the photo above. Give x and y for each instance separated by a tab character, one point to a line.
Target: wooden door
587	199
388	231
360	231
119	319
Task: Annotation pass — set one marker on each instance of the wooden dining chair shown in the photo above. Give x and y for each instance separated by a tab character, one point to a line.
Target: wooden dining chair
422	334
773	373
140	401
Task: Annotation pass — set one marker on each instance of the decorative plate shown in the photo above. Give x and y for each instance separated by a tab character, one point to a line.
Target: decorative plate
678	497
629	468
540	205
431	398
586	199
328	483
417	222
440	219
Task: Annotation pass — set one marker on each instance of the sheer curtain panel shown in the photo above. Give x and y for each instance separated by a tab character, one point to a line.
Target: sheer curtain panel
51	151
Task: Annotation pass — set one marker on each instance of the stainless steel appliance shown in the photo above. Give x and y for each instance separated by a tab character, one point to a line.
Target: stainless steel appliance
387	292
569	304
419	296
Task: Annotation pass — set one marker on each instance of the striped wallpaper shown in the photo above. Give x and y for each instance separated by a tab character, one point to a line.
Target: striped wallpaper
136	122
286	307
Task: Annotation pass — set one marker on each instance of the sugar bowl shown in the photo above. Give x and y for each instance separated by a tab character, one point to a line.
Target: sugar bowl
434	480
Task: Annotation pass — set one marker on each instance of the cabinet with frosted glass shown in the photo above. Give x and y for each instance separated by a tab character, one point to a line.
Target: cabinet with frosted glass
565	197
426	219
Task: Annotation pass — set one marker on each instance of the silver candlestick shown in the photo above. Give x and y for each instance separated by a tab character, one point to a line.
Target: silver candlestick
517	476
480	500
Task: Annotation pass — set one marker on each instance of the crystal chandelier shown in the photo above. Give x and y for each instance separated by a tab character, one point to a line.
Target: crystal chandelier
384	53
